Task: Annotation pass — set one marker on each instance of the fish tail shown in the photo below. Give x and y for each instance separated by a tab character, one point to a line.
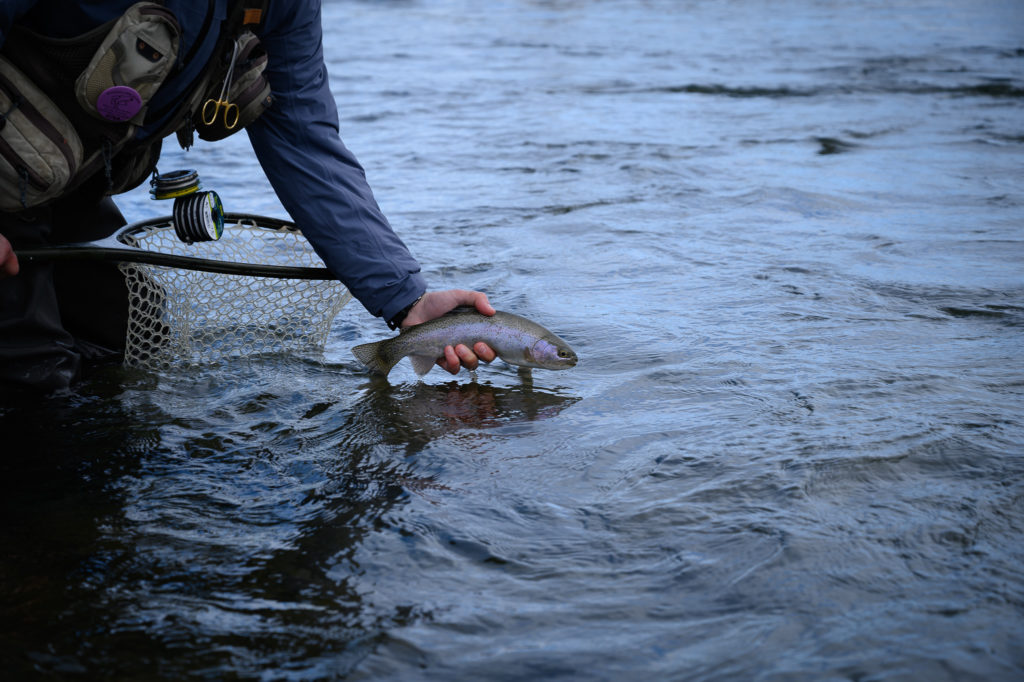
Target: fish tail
369	354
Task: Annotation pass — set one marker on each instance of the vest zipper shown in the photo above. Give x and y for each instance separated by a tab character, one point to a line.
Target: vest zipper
166	14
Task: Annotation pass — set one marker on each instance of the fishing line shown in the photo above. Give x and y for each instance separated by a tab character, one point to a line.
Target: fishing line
174	184
198	217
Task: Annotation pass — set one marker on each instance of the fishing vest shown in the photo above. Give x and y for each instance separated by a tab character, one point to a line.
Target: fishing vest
70	109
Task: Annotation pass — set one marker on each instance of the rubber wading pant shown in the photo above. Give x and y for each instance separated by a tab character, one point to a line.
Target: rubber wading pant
56	317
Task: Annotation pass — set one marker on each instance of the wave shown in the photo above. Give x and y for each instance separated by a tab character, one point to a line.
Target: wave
996	89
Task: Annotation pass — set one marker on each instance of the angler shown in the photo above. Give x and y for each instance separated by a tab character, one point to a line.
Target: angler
88	92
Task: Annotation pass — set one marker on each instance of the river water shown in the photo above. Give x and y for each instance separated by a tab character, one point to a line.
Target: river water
786	241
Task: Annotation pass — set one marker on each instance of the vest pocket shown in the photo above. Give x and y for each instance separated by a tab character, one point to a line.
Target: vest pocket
39	149
241	71
130	64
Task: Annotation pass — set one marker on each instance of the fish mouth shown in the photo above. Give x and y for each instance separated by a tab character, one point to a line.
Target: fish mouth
566	362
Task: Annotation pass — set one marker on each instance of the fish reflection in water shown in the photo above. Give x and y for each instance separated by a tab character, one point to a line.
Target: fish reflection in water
414	415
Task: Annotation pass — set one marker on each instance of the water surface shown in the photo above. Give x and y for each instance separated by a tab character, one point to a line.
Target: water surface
785	239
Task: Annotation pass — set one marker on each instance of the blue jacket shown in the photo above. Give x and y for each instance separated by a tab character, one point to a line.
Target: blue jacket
318	180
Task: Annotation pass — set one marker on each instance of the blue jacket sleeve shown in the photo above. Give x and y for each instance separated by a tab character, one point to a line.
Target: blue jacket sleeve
318	180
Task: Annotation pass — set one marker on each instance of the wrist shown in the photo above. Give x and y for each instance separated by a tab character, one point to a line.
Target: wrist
399	317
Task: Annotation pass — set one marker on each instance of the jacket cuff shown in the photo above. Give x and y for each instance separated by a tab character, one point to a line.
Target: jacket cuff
414	287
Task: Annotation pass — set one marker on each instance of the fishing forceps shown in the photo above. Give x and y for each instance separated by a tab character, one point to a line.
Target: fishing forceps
213	107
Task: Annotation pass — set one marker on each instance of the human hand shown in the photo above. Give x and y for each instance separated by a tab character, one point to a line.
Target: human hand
9	259
434	304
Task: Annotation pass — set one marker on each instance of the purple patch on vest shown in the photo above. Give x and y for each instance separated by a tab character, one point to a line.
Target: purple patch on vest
118	103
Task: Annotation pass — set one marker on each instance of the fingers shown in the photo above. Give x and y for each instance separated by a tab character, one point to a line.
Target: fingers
455	358
434	304
8	259
453	298
478	300
484	352
450	361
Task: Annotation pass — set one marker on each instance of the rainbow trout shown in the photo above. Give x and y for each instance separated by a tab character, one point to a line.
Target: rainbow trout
515	339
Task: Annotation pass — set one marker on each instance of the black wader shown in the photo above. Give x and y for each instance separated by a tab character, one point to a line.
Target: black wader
56	316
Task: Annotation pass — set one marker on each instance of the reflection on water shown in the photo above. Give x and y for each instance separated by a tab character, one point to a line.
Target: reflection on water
414	415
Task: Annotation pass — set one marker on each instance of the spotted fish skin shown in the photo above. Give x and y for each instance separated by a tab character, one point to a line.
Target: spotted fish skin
516	340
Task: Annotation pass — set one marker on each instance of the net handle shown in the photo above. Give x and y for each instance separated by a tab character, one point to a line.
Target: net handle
113	249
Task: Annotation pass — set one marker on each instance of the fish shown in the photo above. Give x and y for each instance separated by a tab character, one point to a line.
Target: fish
516	340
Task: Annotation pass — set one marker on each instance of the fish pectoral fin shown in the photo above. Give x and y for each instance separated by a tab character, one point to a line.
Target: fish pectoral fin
421	364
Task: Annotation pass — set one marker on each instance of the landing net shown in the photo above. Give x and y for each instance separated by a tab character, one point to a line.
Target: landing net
178	316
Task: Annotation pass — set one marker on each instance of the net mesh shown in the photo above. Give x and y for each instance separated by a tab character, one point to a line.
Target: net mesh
182	317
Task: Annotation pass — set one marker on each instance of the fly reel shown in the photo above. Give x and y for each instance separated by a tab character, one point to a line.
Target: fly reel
198	216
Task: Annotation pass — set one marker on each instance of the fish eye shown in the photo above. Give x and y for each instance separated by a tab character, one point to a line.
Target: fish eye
563	353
